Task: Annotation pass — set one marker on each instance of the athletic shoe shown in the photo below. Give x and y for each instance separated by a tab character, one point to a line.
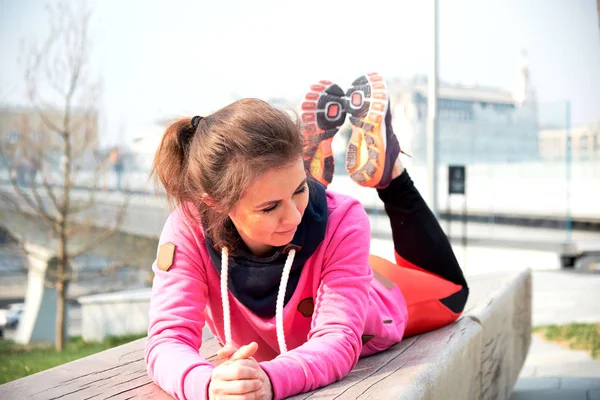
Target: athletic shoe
373	147
322	114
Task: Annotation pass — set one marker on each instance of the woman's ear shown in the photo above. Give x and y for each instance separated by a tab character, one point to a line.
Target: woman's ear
209	201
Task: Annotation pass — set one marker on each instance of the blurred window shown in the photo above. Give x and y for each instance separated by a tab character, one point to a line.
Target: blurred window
13	136
583	143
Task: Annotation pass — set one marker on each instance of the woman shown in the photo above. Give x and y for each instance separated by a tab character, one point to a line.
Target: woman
277	266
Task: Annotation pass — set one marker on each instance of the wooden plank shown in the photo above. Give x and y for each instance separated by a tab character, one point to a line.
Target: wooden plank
117	374
365	369
442	364
394	372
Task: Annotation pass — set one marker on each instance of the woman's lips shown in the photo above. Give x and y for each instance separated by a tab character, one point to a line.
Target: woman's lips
288	232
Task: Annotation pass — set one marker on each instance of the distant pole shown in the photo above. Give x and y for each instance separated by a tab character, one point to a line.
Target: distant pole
568	161
432	121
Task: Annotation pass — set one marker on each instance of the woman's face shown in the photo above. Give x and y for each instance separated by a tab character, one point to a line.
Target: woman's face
271	208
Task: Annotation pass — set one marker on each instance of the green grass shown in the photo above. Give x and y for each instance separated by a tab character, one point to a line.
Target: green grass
17	361
576	336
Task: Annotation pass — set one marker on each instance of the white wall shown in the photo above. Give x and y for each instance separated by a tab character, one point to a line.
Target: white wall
117	313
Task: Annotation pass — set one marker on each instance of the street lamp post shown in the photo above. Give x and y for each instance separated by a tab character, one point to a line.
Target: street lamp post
432	121
568	162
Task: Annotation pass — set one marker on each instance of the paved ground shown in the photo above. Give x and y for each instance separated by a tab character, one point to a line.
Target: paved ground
553	372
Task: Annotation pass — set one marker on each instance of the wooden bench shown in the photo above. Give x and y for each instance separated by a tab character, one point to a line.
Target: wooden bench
479	356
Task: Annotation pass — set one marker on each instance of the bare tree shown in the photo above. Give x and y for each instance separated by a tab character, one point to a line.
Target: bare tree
53	165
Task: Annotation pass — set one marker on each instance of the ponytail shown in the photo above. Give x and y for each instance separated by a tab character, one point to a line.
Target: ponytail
170	159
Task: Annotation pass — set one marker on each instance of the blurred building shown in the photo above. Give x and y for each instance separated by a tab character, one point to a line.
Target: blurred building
24	132
146	140
585	143
476	124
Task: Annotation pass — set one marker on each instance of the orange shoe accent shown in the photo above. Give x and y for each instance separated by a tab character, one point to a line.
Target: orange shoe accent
322	115
379	107
422	291
333	110
309	128
375	117
309	105
308	117
317	165
366	165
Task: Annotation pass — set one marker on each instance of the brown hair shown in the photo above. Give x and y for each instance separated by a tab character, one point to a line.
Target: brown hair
221	157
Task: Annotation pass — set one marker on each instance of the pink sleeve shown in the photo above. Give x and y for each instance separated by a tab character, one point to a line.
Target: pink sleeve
177	318
335	339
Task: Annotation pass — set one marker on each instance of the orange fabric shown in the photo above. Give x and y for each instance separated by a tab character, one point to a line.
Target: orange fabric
422	291
407	264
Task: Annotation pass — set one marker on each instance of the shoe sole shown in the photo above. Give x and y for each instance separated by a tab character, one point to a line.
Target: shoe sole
367	103
322	115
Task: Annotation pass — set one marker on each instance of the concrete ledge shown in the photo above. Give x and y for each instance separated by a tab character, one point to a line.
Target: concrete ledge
506	333
421	367
479	356
504	315
117	313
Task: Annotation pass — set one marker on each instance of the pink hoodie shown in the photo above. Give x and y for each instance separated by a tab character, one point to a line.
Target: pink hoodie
336	307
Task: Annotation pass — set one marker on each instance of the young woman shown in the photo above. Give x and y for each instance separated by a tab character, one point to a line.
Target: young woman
277	266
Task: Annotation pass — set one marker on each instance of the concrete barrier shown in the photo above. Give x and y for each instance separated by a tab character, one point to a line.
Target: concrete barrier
502	308
117	313
478	357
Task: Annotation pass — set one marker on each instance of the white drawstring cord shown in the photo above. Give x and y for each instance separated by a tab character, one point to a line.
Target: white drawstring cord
225	294
278	305
280	298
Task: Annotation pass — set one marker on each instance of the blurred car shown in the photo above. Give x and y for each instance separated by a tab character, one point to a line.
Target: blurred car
13	318
10	318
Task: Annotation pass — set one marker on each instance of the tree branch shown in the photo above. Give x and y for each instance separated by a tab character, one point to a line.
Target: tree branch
106	235
36	206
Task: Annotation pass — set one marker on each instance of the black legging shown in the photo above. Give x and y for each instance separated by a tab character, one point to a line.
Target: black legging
418	237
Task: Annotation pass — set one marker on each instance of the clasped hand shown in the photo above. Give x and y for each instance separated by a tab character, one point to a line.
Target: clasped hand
240	377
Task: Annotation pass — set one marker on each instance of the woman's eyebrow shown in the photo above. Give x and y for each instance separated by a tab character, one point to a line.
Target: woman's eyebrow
273	202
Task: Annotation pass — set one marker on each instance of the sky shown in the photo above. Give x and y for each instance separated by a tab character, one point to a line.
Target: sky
160	59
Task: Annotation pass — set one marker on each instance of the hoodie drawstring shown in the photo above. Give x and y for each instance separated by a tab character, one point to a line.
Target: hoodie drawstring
224	296
280	297
278	305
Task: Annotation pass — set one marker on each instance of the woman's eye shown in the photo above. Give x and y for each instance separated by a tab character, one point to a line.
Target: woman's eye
270	209
274	207
301	190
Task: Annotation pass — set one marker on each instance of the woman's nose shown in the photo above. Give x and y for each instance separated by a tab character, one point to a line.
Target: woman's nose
292	216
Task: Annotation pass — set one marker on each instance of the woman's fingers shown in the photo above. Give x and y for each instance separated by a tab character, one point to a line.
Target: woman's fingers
247	396
241	369
237	380
246	351
226	351
243	386
230	351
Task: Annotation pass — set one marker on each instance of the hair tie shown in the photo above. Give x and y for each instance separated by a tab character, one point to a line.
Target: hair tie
196	120
185	135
